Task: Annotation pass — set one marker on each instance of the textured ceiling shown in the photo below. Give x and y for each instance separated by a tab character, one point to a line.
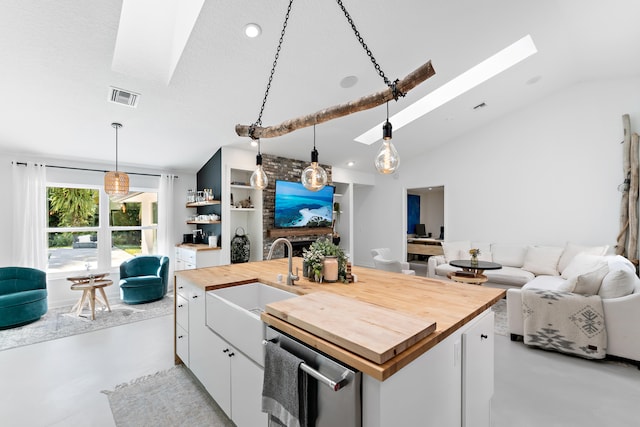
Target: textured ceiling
57	58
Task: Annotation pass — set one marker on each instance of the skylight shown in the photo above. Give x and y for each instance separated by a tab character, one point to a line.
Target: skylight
490	67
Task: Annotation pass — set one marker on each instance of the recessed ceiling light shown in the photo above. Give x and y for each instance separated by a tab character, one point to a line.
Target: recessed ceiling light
351	163
490	67
252	30
349	81
533	80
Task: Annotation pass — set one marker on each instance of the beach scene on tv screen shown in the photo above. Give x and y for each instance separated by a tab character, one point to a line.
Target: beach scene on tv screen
295	206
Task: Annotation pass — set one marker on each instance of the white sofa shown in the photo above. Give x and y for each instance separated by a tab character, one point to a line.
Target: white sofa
520	263
620	293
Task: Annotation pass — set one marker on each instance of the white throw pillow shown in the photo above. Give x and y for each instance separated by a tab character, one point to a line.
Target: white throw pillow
589	283
618	283
571	250
508	255
85	238
485	251
456	250
583	263
568	285
542	260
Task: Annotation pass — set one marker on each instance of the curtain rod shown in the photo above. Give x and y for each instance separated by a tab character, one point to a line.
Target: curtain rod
93	170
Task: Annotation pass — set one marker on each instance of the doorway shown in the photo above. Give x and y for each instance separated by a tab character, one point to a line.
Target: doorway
425	206
424	225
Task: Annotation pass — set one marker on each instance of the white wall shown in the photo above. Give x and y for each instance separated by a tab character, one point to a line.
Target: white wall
432	211
544	175
59	292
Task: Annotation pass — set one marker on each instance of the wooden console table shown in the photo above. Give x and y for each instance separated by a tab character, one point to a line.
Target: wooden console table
424	246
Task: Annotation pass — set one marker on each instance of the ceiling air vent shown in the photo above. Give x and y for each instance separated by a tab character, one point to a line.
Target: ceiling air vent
123	97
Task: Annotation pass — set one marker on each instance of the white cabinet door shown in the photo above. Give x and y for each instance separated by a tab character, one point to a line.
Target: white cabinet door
182	344
220	371
203	347
246	392
477	372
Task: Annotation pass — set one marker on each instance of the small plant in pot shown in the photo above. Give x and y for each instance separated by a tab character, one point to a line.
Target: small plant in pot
314	256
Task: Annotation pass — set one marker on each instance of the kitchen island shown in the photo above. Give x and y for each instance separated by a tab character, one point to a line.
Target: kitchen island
445	377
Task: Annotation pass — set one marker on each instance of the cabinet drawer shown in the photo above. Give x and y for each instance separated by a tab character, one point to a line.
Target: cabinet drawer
182	312
181	289
188	256
182	344
188	266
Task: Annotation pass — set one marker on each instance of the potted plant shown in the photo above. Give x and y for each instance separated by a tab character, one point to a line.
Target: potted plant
315	255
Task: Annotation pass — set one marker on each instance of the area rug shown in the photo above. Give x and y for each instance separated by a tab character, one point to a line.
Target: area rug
60	322
168	398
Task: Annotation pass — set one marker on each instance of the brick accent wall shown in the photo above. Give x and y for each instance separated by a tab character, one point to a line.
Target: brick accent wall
281	168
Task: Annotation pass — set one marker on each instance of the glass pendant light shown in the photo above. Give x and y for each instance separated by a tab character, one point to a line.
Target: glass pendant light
116	183
259	179
314	177
387	160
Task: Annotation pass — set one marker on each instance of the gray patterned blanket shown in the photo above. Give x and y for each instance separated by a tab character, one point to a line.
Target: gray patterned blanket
565	322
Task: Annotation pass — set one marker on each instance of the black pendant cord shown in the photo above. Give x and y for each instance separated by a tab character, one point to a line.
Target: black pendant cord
393	85
258	122
116	147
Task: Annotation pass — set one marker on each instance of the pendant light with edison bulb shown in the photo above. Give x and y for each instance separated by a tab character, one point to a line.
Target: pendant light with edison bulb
259	179
387	160
314	177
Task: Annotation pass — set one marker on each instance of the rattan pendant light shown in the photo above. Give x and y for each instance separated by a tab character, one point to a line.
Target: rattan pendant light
116	183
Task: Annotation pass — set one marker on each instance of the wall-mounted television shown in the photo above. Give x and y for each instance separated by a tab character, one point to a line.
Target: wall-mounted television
295	206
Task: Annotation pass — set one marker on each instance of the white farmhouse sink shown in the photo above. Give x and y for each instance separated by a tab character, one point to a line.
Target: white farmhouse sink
234	314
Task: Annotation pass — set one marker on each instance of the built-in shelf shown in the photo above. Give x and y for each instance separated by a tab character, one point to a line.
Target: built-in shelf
247	187
204	222
243	209
284	232
207	203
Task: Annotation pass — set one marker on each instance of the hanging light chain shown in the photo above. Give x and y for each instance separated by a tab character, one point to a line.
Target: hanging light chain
258	122
393	85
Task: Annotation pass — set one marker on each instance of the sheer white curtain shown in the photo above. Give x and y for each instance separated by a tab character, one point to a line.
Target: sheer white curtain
166	220
29	215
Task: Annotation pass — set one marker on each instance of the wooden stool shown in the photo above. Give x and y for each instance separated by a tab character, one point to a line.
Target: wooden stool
88	286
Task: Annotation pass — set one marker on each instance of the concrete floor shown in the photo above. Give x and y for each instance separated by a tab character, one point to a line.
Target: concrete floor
535	388
58	382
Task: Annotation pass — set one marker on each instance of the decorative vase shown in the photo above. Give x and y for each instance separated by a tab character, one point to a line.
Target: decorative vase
474	260
305	269
330	269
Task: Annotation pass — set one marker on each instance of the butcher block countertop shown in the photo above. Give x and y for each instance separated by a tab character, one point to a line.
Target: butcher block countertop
449	305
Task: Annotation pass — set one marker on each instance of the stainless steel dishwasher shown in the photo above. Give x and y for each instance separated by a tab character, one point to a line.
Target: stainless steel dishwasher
339	387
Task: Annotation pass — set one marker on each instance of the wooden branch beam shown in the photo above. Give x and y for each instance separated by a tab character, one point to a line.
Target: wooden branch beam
632	251
365	103
621	245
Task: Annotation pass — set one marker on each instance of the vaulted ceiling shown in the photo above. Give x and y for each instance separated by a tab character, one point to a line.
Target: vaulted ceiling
57	59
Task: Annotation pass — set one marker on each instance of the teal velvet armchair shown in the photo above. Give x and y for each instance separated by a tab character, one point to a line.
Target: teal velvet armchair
144	279
23	296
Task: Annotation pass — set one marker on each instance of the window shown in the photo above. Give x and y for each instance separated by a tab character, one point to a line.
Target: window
87	230
133	224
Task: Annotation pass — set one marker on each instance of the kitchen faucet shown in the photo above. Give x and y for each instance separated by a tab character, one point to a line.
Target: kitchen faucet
290	277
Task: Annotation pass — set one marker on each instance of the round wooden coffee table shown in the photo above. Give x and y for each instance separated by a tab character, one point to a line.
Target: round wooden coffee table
471	272
478	279
88	285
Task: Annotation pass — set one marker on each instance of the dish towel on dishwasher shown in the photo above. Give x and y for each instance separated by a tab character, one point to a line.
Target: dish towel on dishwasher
288	394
